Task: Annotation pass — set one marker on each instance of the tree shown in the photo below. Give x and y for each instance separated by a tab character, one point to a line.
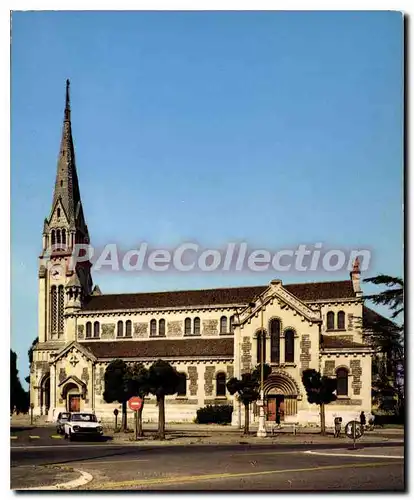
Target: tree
163	380
320	391
248	389
387	338
116	386
30	355
19	398
138	385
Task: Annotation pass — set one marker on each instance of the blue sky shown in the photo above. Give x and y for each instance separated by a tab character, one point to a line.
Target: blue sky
272	128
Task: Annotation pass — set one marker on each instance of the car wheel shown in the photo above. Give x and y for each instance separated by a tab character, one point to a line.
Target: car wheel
71	436
66	436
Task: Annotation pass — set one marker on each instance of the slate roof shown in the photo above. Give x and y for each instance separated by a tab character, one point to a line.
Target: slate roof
216	296
162	348
338	341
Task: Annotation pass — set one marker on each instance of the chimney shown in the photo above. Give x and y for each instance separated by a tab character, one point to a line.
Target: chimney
356	278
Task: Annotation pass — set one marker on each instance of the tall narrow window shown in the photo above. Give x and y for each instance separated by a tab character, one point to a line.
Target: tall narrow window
342	382
58	212
341	320
221	384
275	341
182	384
231	324
153	328
261	342
53	237
196	326
289	346
61	307
88	330
120	329
58	236
223	324
53	310
96	330
161	327
187	326
64	236
330	321
128	328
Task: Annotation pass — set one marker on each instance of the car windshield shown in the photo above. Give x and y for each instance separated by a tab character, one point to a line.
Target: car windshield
83	417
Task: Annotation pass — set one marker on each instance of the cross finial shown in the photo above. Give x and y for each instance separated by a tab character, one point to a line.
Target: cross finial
67	102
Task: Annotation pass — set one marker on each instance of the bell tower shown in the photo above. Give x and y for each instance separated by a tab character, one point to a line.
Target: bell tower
62	288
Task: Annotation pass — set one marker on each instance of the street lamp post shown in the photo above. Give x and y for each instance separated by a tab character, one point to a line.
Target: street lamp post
261	431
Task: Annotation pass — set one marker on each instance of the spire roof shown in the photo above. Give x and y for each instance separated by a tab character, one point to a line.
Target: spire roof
67	186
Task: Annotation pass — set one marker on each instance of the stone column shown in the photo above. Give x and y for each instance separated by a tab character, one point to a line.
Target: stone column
282	347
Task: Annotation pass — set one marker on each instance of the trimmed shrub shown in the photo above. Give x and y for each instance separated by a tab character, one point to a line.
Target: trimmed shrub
214	414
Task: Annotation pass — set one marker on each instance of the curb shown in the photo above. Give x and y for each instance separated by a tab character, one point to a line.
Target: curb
84	478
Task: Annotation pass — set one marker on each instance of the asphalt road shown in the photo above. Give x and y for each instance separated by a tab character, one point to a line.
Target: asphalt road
231	467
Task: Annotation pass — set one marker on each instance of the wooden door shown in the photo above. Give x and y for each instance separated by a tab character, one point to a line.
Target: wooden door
74	402
281	407
271	409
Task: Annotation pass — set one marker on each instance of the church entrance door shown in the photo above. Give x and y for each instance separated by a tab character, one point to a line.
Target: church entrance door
74	402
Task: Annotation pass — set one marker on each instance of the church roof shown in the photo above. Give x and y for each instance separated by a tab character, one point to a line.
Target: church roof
340	341
216	296
162	348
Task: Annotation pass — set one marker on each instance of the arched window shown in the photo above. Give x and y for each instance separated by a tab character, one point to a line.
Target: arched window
289	346
96	329
61	306
161	327
274	341
231	324
341	320
259	346
128	328
196	326
57	235
53	310
342	382
64	236
221	384
153	328
88	330
182	385
187	326
223	324
330	321
53	237
120	329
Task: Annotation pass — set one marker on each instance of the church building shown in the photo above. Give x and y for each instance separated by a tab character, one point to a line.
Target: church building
208	335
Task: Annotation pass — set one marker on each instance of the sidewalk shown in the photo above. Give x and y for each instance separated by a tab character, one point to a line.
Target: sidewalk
36	476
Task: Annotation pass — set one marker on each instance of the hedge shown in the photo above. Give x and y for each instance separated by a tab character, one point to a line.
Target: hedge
217	414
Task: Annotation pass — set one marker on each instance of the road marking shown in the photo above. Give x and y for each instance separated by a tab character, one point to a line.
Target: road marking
84	478
56	437
13	437
34	437
91	461
205	477
352	455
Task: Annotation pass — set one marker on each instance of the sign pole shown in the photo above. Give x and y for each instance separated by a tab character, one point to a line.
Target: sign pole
353	433
136	424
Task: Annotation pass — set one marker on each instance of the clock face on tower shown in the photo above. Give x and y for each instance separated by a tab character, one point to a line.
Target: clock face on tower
56	271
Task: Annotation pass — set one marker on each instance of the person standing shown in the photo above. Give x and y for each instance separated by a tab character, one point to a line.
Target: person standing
362	420
337	425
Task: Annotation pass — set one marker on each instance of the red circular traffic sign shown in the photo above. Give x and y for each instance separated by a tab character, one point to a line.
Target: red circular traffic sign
135	403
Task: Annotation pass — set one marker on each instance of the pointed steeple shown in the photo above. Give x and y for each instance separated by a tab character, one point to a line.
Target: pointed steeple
67	186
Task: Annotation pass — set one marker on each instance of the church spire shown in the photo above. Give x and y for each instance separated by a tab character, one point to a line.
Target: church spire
66	185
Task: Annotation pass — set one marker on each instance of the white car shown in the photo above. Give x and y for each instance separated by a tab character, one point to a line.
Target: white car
82	424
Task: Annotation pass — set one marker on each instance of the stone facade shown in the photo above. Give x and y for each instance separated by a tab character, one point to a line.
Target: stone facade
305	356
140	330
356	376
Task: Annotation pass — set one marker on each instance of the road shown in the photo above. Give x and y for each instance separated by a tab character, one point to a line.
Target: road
228	467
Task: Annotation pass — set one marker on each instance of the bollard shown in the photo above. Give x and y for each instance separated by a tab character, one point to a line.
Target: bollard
31	413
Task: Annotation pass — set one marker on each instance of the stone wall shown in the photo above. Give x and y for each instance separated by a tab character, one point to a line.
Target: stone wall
329	370
305	356
356	376
210	327
193	376
208	380
81	332
108	331
174	328
141	330
246	358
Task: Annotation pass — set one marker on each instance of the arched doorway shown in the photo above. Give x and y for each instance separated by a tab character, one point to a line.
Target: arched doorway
281	395
45	394
72	396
